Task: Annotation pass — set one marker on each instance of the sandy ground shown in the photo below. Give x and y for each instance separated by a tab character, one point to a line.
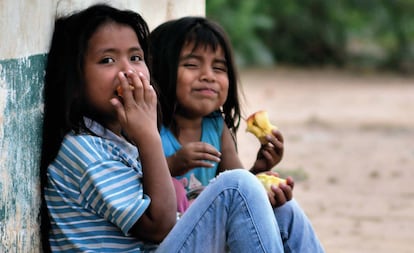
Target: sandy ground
349	145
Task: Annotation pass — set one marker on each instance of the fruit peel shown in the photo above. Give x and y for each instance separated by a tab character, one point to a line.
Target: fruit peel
269	180
258	124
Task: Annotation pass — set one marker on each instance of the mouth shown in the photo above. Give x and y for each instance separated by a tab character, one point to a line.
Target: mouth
207	91
119	91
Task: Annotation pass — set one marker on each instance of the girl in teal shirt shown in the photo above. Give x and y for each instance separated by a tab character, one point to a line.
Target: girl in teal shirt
193	65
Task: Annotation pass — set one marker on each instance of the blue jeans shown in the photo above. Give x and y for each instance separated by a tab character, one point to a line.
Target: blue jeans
233	213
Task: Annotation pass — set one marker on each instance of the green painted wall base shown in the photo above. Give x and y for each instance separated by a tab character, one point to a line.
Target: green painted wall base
21	110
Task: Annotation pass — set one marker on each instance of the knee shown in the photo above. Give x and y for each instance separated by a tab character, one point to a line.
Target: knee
235	174
289	208
239	178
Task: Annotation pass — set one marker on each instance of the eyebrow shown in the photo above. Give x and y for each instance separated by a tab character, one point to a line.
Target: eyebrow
113	50
198	57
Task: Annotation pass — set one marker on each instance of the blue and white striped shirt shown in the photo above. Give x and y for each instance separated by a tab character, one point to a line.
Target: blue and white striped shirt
94	194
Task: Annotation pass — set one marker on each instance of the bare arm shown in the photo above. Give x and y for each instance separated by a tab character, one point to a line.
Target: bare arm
138	118
230	160
160	216
229	157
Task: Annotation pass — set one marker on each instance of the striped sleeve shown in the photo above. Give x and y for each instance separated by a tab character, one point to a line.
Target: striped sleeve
113	191
108	185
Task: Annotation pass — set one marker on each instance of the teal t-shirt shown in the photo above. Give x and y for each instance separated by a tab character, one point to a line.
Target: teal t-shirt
212	129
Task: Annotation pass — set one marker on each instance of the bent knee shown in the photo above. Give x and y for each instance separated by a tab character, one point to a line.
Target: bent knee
238	177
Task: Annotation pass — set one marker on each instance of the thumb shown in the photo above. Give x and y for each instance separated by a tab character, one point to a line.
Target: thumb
119	108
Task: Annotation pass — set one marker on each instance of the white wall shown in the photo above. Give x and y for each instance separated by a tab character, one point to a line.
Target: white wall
26	25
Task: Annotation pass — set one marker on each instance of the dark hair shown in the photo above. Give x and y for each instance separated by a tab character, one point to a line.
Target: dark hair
167	41
64	108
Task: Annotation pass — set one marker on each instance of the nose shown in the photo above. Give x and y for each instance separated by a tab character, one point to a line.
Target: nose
125	65
207	74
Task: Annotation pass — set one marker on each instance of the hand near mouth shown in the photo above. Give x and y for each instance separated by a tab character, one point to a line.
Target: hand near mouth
119	90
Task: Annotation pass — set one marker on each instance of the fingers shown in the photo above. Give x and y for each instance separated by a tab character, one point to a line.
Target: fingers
149	93
202	163
205	151
197	154
276	140
277	196
142	91
281	194
137	107
126	82
270	155
276	133
118	108
273	150
290	182
202	156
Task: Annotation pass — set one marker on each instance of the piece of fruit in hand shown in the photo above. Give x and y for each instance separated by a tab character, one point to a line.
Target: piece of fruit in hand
119	90
258	124
269	180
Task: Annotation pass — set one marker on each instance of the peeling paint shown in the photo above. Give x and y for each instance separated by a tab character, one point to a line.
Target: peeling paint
21	110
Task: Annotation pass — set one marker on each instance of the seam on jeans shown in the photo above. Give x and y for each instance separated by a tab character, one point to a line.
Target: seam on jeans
250	218
198	221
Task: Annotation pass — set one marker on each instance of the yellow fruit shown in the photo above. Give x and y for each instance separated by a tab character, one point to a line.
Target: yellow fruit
119	90
268	180
258	124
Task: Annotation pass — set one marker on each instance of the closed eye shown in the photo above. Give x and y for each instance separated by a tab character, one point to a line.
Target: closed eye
190	65
220	68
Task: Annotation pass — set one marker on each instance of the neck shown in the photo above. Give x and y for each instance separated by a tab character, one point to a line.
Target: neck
187	129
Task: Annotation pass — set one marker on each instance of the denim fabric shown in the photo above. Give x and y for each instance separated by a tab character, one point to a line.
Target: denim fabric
296	230
233	213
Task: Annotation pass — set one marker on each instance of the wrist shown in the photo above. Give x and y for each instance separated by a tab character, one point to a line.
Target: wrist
253	170
170	163
148	139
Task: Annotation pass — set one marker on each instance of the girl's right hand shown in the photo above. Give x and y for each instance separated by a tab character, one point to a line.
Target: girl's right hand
193	155
137	114
270	154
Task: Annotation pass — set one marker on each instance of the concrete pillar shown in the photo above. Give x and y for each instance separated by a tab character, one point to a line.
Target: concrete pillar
25	29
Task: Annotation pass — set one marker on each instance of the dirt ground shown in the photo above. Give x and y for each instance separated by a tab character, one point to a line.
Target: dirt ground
349	145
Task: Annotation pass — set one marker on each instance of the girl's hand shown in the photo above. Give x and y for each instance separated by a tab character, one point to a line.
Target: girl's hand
193	155
282	193
137	117
269	154
137	113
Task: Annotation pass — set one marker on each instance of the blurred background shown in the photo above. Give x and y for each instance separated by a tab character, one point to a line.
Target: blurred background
337	78
369	34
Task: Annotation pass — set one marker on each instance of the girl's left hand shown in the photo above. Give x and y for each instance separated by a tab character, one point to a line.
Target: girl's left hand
281	194
269	154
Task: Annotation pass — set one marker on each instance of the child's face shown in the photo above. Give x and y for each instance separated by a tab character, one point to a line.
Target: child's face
202	80
113	48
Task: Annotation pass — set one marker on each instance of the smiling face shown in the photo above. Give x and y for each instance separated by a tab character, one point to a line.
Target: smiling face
202	80
113	48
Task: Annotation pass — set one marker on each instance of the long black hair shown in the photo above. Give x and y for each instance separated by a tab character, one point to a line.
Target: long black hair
167	41
64	108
